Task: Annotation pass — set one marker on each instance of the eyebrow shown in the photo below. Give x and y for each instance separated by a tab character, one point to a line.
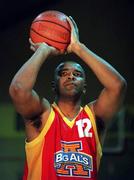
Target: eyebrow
66	69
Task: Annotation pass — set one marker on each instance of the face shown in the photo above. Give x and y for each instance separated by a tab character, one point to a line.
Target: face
69	80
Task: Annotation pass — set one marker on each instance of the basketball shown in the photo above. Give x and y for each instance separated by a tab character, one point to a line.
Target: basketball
52	28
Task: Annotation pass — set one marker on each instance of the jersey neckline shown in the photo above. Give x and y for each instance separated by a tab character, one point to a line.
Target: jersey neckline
69	122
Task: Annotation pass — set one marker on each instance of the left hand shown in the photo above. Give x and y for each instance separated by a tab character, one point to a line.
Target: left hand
74	34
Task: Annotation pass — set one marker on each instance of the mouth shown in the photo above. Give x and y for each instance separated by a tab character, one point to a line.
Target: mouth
69	84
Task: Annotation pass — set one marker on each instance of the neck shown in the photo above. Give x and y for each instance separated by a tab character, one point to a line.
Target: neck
68	102
69	108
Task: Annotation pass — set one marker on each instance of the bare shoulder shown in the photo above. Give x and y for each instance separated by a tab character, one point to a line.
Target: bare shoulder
91	106
100	123
99	120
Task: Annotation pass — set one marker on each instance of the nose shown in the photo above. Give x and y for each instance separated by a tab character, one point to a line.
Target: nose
71	76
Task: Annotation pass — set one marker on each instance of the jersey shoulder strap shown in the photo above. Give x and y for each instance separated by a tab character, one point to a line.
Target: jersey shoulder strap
98	144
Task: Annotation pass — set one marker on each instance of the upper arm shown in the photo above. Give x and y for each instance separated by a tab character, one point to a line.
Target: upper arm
28	103
31	107
108	103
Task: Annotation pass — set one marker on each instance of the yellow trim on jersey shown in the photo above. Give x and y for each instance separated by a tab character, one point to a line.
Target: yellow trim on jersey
44	130
99	148
34	155
66	120
34	161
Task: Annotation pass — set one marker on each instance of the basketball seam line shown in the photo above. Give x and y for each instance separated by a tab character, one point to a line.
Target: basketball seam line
53	23
49	38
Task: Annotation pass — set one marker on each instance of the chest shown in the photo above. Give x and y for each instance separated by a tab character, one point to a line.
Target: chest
71	133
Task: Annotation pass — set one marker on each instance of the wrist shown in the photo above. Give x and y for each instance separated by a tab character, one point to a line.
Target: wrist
44	49
77	48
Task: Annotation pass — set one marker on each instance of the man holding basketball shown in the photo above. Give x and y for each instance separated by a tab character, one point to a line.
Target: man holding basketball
64	139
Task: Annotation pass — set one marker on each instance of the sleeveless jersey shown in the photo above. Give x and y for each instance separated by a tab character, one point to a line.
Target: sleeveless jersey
64	149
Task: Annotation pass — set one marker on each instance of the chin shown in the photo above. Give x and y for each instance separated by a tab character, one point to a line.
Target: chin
72	94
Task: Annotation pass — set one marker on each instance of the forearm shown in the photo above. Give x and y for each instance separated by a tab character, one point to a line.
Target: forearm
105	73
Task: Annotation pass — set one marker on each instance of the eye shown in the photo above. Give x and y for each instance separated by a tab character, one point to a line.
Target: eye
77	74
63	73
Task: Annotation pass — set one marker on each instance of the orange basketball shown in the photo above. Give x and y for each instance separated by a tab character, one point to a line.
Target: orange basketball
52	28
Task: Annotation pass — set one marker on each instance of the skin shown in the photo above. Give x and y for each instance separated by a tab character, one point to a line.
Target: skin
69	80
69	86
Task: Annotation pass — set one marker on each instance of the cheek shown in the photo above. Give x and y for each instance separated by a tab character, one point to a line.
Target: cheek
81	82
81	85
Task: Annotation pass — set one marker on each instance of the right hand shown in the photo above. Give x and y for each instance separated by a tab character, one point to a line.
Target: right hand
45	47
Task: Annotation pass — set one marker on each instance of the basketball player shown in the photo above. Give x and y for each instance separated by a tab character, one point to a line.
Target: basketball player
64	139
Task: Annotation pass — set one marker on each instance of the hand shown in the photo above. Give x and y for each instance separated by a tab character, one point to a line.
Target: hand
45	47
74	34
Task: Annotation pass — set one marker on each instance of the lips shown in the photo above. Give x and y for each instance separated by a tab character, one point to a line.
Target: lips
69	84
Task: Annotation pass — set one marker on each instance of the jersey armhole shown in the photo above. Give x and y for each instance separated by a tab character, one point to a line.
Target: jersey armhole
45	129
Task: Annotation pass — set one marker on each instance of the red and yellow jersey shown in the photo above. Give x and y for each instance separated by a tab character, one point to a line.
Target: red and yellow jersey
64	149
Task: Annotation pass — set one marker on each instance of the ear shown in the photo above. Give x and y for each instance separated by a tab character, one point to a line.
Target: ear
53	86
84	89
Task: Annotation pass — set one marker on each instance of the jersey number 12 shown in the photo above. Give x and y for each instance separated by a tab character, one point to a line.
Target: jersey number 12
84	126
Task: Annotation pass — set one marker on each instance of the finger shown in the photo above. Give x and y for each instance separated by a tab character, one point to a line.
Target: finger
74	23
31	42
74	26
70	22
32	48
